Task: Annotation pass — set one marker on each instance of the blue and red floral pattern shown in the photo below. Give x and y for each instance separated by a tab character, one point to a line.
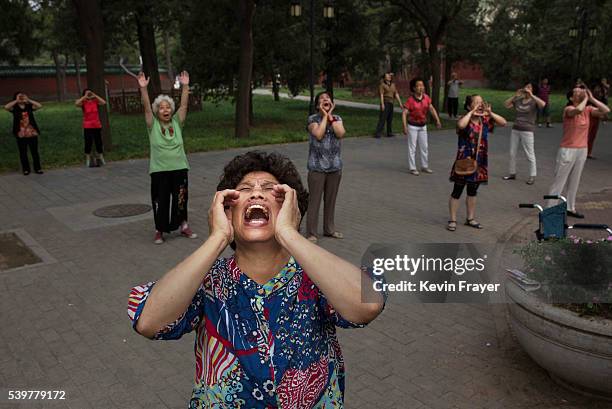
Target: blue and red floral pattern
259	346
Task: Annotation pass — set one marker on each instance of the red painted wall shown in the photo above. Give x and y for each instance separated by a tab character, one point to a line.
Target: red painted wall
45	88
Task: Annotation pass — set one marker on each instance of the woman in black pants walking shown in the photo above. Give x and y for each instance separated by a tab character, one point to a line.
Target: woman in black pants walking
26	130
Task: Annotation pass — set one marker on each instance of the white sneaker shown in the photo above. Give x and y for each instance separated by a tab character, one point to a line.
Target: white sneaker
414	172
426	170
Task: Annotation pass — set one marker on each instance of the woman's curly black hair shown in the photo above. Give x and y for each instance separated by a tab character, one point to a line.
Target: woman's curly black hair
274	163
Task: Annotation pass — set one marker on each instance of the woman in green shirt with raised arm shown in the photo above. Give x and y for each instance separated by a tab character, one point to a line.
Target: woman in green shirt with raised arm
168	164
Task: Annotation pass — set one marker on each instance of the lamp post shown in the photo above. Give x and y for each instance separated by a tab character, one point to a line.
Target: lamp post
328	12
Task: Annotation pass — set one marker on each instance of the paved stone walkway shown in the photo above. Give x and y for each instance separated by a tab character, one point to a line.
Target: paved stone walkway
64	323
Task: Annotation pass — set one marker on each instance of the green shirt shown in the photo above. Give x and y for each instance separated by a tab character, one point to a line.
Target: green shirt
167	151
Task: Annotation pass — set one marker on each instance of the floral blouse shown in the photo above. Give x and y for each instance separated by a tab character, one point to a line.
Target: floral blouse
466	148
259	346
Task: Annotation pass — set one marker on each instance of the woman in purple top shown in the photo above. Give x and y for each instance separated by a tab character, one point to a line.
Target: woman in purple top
544	93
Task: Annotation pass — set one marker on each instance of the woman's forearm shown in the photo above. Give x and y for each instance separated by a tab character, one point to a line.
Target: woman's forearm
499	120
339	280
10	105
146	102
463	122
173	293
539	102
339	130
35	105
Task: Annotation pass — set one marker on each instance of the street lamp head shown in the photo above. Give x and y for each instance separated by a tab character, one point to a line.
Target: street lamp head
296	8
593	32
328	10
573	32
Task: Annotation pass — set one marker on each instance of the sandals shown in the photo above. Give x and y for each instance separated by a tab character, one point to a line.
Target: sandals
452	225
473	223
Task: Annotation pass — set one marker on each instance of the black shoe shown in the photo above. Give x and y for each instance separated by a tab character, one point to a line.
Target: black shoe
575	214
26	172
509	177
390	136
39	172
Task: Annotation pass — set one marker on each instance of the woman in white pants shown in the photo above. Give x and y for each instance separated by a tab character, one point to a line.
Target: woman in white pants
573	151
526	105
414	118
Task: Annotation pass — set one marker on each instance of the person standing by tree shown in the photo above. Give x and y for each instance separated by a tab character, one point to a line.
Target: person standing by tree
574	146
526	106
453	95
26	130
92	127
414	118
326	131
543	93
168	165
387	92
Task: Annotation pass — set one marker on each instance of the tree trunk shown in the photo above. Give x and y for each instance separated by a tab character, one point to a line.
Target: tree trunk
434	59
246	11
148	51
168	59
77	68
329	82
275	86
58	75
64	82
91	28
448	68
251	113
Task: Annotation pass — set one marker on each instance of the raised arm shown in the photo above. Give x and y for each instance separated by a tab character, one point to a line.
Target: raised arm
509	102
182	111
318	129
499	120
35	105
464	121
337	126
173	293
79	102
10	105
539	102
578	109
101	101
601	109
339	280
143	82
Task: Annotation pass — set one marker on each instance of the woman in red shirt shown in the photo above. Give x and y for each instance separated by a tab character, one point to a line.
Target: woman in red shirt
92	127
414	117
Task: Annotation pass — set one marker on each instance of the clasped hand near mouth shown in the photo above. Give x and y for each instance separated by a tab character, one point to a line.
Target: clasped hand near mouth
229	209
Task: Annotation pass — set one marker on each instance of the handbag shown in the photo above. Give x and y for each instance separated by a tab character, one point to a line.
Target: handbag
468	166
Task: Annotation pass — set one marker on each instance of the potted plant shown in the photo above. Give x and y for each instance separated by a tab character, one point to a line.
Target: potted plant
565	323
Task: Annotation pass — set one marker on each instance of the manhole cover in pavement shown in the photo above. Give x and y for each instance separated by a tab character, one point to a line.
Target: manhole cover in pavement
14	252
122	210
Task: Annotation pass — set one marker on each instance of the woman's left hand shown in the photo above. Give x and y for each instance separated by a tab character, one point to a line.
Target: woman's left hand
289	216
488	109
184	78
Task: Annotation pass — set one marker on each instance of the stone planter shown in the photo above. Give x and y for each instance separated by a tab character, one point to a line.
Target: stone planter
576	352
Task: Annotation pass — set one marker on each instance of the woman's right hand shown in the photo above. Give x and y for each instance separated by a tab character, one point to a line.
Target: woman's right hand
142	80
220	214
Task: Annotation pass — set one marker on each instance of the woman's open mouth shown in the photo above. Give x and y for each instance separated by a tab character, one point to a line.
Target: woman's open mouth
256	215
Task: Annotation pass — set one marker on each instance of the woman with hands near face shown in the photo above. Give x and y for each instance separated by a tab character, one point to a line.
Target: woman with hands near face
324	166
25	130
526	105
271	308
